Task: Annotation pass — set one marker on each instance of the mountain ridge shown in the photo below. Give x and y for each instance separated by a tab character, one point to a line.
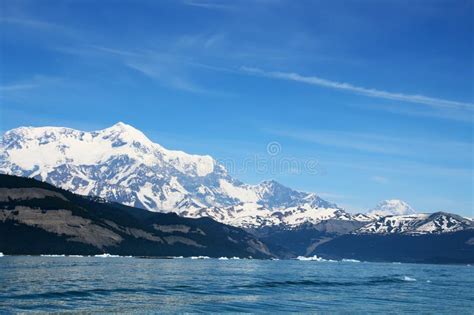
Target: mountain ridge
121	164
38	218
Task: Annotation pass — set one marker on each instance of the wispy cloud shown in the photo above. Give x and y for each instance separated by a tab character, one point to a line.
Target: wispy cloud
376	143
170	70
403	167
39	26
23	87
379	179
212	5
17	87
371	92
158	72
28	22
450	114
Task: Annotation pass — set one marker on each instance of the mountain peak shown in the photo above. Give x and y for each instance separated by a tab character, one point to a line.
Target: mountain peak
126	132
122	126
392	207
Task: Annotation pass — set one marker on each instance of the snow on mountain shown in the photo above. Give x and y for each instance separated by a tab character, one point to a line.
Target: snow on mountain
435	223
121	164
391	207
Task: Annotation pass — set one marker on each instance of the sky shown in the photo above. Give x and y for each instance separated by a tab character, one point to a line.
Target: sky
358	101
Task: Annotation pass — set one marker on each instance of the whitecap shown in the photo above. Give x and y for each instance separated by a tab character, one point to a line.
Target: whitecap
53	255
1	254
223	258
406	278
177	257
314	258
105	255
236	258
200	257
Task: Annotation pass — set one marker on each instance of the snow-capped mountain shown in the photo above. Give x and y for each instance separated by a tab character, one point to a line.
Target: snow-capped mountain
121	164
434	223
391	207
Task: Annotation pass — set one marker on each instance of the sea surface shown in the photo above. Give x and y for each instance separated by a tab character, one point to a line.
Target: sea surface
139	285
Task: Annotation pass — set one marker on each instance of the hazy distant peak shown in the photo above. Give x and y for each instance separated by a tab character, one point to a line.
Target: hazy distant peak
392	207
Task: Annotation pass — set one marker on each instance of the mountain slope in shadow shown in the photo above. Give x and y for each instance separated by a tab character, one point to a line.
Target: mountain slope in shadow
38	218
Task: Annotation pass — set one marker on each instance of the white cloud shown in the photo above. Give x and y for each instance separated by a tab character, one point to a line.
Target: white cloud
371	92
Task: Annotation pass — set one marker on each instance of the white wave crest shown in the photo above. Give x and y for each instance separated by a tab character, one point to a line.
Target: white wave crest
200	257
314	258
105	255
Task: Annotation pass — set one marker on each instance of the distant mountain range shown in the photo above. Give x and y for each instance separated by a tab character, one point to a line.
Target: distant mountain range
38	218
121	165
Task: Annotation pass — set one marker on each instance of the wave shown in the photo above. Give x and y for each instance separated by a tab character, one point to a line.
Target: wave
314	258
350	260
105	255
62	255
72	293
323	283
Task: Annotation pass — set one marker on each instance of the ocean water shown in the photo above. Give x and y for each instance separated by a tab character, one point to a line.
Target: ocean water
111	284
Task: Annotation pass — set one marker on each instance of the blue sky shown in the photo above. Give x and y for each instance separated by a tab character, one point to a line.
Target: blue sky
369	100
